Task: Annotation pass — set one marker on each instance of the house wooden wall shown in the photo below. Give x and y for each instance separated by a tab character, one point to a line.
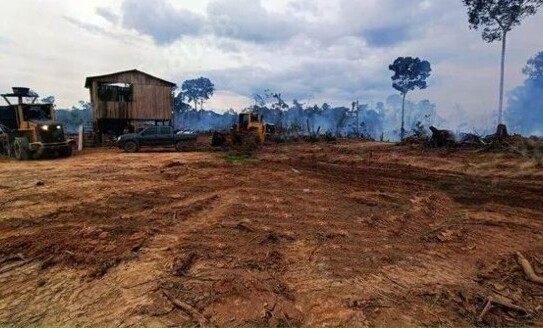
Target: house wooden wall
152	98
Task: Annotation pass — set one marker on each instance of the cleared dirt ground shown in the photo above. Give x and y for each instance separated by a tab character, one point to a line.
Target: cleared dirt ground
341	234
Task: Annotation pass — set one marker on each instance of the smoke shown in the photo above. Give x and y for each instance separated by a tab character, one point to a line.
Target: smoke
72	118
204	120
372	120
525	108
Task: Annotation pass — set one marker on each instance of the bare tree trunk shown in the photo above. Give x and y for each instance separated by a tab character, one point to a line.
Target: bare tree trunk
502	78
195	104
402	131
357	120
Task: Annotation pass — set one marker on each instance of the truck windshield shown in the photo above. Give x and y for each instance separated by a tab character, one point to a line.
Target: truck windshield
37	112
149	131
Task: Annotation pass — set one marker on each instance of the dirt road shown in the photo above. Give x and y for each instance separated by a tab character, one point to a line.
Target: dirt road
347	233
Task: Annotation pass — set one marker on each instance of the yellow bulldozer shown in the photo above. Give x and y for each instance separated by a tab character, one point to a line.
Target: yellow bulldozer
250	132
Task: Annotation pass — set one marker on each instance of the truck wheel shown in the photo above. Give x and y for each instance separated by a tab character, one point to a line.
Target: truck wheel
182	146
66	152
21	150
130	147
37	154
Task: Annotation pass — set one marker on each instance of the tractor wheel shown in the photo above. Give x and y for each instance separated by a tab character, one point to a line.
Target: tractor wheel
130	147
20	148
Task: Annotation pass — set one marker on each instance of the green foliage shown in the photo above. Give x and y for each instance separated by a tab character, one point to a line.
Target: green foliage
71	118
410	73
198	90
236	158
497	17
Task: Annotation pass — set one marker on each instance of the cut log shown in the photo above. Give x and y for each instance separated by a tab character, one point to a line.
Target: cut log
528	269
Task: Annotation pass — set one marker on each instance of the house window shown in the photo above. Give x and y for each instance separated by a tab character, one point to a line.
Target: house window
116	92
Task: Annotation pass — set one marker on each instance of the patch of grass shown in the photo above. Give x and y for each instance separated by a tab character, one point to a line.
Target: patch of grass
240	158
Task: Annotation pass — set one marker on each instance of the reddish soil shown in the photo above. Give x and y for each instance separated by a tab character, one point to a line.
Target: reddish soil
305	234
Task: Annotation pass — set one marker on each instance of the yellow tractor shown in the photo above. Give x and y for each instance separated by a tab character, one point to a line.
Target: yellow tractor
28	129
249	132
249	129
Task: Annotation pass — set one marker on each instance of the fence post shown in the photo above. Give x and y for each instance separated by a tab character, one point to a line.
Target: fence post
80	141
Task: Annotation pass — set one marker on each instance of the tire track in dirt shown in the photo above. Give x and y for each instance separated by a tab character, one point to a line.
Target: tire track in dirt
339	240
422	271
68	297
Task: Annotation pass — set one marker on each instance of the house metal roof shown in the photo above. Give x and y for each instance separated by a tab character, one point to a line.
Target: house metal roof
88	81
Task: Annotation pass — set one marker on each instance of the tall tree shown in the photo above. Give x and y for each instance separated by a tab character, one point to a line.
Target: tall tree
496	18
198	90
409	74
179	104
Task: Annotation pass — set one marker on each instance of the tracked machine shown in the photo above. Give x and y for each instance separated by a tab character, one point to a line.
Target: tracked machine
250	131
28	129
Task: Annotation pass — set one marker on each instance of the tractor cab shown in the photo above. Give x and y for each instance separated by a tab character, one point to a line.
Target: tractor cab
32	126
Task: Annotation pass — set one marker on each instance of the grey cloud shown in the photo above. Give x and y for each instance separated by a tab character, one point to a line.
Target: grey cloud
160	20
245	20
95	29
89	27
387	36
390	22
248	20
308	6
387	24
107	14
4	40
339	79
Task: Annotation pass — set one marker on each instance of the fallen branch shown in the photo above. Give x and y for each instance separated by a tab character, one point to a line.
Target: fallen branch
194	314
243	226
12	258
502	302
183	265
14	266
314	251
528	269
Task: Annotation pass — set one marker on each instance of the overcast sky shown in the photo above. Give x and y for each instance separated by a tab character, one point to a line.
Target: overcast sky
311	50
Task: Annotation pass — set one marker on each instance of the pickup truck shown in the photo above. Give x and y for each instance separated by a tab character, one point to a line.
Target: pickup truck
156	136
